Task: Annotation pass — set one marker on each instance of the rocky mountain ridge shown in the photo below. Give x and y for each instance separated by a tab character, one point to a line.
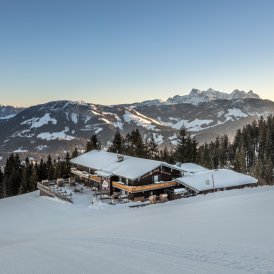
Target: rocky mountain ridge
59	126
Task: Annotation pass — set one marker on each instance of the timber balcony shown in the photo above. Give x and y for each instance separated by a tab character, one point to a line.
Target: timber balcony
136	189
84	174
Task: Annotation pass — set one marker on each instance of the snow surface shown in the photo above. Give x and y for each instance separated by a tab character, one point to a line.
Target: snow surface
38	122
20	150
195	125
7	117
158	138
75	118
139	120
173	139
41	147
23	133
225	232
234	113
193	168
62	135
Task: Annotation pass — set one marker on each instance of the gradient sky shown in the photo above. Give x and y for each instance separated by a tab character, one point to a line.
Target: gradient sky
120	51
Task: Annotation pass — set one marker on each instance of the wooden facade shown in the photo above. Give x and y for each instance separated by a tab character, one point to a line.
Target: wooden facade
155	182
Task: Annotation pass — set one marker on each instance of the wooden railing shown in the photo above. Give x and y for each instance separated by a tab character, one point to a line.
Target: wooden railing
53	193
95	178
86	175
135	189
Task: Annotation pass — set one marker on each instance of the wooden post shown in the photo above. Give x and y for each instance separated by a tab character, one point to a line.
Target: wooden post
213	183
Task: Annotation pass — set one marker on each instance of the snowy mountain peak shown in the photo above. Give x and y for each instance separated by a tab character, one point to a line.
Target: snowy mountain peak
196	96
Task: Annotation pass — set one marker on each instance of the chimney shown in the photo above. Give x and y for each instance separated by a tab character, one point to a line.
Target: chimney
120	157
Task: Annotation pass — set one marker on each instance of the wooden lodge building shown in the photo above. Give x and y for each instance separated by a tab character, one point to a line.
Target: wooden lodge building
137	178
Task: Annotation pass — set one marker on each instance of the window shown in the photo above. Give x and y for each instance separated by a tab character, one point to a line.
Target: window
156	178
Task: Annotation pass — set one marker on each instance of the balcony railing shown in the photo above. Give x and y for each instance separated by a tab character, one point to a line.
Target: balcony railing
51	192
84	174
136	189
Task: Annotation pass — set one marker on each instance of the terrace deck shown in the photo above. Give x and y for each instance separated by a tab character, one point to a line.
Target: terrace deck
136	189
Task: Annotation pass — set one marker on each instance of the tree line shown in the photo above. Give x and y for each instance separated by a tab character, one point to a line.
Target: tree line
250	152
20	177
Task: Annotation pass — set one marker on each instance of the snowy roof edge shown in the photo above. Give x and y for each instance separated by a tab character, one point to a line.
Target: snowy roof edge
160	163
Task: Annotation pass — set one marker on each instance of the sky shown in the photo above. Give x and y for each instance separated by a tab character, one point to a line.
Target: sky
121	51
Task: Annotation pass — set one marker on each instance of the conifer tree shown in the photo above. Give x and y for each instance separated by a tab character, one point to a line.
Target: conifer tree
118	143
181	148
186	149
67	166
152	148
75	153
93	143
33	180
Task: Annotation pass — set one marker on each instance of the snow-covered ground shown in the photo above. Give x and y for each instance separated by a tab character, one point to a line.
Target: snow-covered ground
225	232
62	135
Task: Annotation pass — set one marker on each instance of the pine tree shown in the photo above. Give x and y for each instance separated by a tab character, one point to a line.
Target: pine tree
33	180
12	176
240	160
268	170
164	155
181	148
75	153
118	143
50	168
134	144
152	148
93	143
42	170
67	165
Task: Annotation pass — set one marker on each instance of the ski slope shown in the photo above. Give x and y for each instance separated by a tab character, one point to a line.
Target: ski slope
224	232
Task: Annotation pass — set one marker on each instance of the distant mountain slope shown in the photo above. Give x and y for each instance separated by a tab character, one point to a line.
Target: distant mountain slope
58	126
7	112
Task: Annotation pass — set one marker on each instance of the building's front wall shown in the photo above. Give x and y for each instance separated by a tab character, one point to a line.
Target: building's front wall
160	174
164	174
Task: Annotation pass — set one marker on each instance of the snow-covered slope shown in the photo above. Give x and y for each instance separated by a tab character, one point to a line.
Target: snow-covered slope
225	232
7	112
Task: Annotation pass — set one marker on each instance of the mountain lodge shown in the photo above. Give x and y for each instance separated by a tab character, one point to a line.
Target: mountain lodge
125	175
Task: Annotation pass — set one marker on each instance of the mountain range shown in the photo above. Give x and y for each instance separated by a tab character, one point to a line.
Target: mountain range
59	126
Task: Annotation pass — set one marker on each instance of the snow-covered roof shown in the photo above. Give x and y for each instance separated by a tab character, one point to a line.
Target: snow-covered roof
222	178
193	168
107	163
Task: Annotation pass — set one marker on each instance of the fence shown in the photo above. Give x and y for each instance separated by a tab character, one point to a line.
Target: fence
49	191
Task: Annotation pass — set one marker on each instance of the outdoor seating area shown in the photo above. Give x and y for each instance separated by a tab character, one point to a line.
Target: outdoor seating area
70	190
